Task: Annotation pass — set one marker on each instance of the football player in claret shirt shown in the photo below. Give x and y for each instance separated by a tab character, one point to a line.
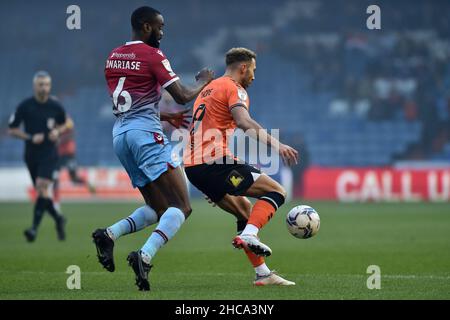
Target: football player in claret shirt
211	167
43	120
135	73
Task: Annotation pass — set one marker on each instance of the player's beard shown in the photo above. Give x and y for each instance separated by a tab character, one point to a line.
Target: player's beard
246	83
153	41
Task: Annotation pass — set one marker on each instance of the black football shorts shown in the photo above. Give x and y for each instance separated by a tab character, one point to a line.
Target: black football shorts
42	167
215	180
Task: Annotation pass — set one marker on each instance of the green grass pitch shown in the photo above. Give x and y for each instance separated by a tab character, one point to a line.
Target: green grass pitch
409	242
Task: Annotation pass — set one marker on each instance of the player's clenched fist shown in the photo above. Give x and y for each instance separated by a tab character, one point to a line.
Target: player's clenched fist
38	138
205	75
53	135
288	154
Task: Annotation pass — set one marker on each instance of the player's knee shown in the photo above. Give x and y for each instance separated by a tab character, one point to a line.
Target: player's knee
282	191
275	199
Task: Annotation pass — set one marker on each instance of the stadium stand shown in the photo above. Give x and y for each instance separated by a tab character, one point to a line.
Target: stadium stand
350	106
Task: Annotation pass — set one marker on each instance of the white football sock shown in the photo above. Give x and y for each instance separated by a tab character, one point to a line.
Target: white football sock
168	226
250	229
262	270
138	220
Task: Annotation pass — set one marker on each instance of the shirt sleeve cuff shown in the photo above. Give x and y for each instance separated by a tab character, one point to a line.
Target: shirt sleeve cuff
238	105
168	83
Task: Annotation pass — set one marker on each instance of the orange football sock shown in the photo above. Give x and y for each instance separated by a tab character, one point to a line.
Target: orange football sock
261	213
255	260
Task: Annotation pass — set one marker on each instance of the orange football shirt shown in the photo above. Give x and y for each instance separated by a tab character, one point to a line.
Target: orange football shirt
212	121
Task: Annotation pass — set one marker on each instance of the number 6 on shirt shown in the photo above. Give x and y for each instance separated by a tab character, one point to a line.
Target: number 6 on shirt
121	93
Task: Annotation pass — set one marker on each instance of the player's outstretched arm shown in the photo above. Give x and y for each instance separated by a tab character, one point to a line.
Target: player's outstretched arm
252	128
182	94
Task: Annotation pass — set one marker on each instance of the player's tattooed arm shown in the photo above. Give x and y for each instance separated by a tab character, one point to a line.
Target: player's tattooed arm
182	94
253	129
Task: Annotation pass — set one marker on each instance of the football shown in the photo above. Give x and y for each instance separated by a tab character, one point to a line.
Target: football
303	222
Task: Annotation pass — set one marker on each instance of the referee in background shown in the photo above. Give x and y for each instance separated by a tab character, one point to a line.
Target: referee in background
43	121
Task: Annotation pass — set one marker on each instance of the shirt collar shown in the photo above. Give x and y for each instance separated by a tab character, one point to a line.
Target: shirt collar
133	42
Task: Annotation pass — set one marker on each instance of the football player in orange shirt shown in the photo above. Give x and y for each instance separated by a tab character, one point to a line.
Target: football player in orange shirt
221	107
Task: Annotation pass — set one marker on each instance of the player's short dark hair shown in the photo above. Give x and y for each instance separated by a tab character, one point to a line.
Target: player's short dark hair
239	55
142	15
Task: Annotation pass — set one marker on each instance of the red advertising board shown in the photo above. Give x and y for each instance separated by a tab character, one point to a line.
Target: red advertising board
377	184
